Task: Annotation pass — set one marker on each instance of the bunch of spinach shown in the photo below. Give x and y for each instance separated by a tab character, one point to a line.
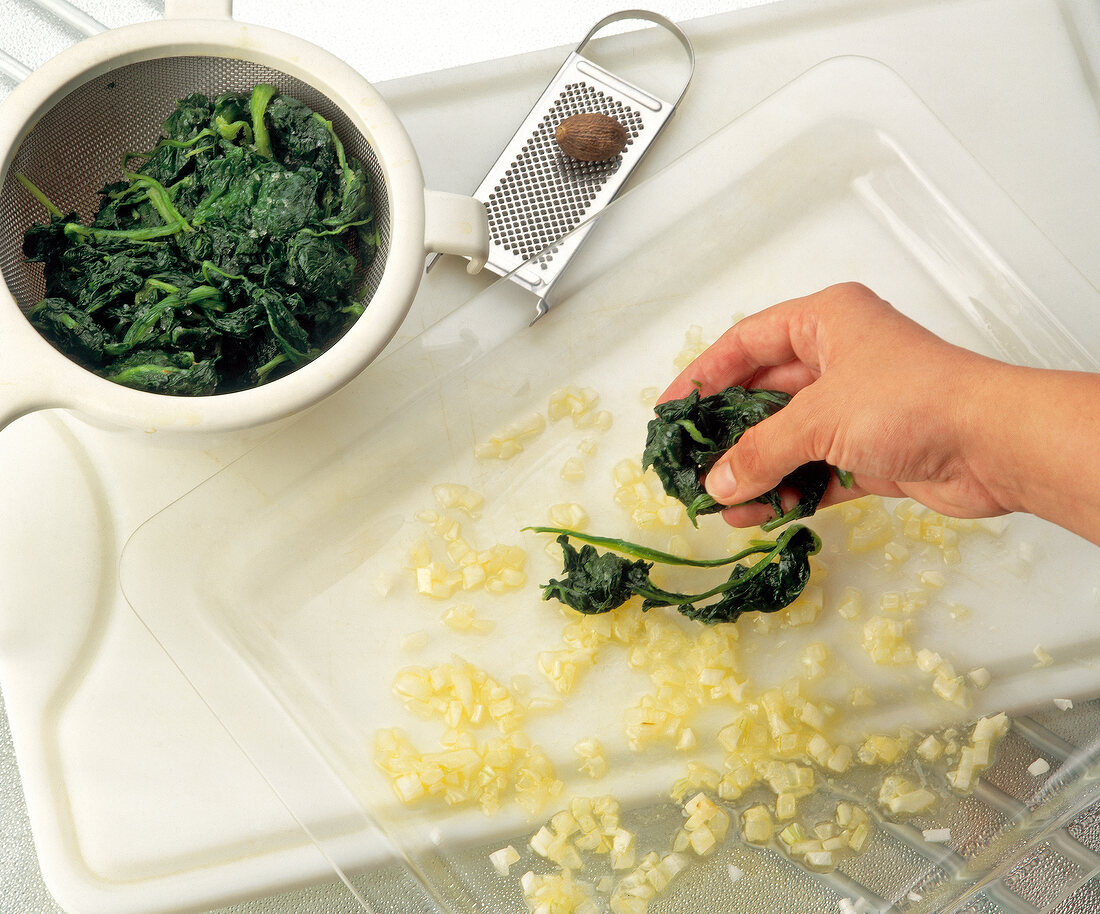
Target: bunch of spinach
225	258
596	582
689	435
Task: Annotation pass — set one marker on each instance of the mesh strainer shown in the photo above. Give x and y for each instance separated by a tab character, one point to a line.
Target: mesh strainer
65	128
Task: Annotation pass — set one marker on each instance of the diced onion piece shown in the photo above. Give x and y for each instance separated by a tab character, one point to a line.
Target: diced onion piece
694	346
880	749
756	824
841	759
591	758
1038	768
786	806
821	859
978	755
851	604
569	515
1063	704
626	472
930	748
588	447
807	607
937	835
819	749
884	639
463	618
454	495
928	660
572	470
900	796
510	441
862	698
503	859
980	677
859	836
1042	658
571	401
951	689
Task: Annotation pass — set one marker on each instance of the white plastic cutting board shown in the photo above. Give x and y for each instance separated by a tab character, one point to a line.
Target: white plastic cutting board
181	822
271	607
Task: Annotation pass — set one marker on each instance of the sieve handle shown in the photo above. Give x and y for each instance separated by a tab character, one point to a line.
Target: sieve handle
456	224
26	384
198	9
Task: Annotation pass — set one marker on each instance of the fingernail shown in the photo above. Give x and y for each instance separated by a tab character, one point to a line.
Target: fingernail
720	483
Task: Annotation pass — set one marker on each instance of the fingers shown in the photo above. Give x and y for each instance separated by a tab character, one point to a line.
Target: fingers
762	340
753	513
791	332
766	453
790	377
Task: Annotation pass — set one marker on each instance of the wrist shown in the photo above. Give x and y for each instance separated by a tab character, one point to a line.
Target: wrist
989	432
1029	439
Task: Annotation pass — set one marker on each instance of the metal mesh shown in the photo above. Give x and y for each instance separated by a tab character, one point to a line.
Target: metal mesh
77	146
544	194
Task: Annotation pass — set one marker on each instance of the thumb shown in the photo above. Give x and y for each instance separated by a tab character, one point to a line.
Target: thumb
762	456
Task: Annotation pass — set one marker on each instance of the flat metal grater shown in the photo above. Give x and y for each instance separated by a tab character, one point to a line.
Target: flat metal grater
535	194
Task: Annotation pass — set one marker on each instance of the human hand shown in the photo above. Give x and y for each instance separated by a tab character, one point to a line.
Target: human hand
874	393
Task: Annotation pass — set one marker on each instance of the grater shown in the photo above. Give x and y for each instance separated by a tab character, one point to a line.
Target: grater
535	195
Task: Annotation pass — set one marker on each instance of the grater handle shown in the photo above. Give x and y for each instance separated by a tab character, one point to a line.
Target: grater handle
657	19
456	224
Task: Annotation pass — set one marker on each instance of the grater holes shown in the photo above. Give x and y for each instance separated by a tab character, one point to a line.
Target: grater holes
544	194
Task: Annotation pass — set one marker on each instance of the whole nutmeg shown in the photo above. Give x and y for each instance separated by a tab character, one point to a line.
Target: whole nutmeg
591	137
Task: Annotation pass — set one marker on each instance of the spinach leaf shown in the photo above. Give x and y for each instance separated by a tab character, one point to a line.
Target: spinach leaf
163	372
224	257
302	138
70	328
318	265
689	435
597	582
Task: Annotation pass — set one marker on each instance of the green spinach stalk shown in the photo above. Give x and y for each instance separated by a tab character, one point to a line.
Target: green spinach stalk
598	582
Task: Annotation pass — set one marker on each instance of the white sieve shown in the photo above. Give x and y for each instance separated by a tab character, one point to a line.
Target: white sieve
66	126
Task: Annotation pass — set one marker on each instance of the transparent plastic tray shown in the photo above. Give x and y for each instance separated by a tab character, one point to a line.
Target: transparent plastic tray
281	588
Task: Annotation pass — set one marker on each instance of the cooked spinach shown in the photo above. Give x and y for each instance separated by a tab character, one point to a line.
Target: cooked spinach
225	259
596	582
689	435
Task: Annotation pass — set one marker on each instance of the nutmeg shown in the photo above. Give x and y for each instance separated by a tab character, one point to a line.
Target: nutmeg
591	137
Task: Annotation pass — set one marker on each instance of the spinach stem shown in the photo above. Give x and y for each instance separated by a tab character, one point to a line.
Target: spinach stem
174	144
639	551
257	106
159	197
39	195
